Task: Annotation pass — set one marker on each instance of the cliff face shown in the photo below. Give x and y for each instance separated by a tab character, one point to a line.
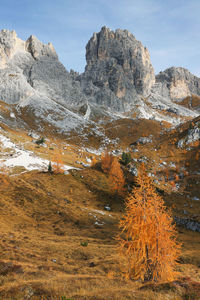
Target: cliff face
31	68
178	83
32	77
119	65
118	77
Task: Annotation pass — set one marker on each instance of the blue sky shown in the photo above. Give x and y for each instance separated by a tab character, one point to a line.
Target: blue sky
169	29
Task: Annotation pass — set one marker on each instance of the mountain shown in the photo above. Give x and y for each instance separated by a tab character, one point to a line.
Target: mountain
59	216
118	69
118	82
119	75
178	83
33	80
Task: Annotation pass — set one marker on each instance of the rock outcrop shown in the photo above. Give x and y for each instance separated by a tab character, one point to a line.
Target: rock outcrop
118	78
118	69
178	83
31	76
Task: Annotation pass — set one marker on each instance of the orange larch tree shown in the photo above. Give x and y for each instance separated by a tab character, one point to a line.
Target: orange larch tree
147	241
116	177
57	163
106	161
94	162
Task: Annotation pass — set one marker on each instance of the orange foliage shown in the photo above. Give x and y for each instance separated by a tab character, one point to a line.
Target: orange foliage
106	161
195	144
173	184
94	161
116	177
57	165
3	175
176	177
147	241
110	275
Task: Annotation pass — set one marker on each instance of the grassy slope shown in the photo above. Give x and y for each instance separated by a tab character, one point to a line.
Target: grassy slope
44	219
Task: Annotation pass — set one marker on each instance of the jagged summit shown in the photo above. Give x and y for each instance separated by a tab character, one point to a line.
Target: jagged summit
118	81
118	69
37	48
11	45
179	83
32	77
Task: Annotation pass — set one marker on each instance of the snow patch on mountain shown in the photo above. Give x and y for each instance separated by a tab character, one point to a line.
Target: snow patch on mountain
23	158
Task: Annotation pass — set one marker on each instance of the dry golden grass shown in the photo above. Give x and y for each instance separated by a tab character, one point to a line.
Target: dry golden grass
193	101
50	246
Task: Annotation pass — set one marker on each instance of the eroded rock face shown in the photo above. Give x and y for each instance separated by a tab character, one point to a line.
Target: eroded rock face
8	45
37	48
119	66
31	68
118	77
32	77
178	83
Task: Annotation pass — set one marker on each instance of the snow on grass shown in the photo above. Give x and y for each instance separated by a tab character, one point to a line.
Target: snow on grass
24	158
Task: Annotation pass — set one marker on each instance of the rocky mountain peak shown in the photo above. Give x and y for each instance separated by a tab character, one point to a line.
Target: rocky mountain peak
118	77
119	64
179	83
101	45
9	44
37	48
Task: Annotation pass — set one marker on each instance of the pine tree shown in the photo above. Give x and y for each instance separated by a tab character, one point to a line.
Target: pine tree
126	158
50	167
147	241
116	177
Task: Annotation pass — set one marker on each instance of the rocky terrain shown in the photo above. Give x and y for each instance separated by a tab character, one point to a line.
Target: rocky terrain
58	230
118	81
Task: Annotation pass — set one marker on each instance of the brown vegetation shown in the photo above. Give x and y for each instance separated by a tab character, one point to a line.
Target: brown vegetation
116	177
106	161
57	163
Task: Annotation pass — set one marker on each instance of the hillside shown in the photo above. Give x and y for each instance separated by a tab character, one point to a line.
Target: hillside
119	82
59	241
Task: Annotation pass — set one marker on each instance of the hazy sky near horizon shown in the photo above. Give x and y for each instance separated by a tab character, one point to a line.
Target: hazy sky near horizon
170	29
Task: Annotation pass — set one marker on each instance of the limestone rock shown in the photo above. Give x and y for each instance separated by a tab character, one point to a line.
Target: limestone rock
118	69
9	45
178	83
31	76
118	78
37	48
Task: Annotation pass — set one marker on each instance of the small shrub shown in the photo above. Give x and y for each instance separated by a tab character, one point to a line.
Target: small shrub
84	244
126	158
191	125
94	162
40	141
58	165
50	170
